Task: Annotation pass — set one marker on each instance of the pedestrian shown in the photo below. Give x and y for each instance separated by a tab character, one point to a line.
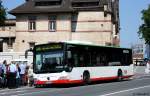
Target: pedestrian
147	69
22	73
4	73
18	76
12	75
7	74
26	76
30	75
1	75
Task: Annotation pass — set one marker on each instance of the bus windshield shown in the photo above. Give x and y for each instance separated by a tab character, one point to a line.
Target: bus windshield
48	62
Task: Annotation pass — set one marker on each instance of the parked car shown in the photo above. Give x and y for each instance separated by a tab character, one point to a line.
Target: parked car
143	63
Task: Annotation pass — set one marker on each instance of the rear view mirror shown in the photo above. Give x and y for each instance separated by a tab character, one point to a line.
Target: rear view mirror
26	52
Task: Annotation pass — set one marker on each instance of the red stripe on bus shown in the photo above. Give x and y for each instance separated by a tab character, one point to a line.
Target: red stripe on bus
66	81
58	82
38	82
104	78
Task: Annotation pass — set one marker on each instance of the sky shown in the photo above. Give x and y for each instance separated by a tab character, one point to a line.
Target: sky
130	18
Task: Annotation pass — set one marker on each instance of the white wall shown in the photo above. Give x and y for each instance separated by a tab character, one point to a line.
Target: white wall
15	55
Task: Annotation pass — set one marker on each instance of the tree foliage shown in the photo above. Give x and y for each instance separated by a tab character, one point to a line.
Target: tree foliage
2	14
144	29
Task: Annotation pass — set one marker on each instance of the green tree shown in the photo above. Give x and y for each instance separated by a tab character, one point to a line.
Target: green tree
2	14
144	29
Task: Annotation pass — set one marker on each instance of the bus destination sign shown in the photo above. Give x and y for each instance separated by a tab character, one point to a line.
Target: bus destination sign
49	47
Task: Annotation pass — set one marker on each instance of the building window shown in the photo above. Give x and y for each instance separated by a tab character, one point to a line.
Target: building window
32	23
84	4
74	19
48	3
10	46
52	23
10	43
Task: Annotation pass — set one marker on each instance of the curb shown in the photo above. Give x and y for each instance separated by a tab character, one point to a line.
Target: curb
23	87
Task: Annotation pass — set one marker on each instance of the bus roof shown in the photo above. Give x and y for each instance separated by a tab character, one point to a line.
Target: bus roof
91	44
84	44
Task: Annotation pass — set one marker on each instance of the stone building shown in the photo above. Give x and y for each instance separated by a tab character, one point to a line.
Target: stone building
42	21
7	35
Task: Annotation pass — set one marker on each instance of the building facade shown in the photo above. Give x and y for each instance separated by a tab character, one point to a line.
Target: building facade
43	21
138	53
138	50
8	35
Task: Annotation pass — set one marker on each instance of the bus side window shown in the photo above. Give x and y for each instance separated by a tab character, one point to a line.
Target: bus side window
104	61
93	59
98	63
81	61
70	62
75	60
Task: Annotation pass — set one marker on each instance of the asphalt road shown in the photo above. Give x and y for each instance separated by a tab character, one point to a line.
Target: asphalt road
138	86
135	87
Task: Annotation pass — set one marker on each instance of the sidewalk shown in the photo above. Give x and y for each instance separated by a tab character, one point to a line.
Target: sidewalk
140	72
22	87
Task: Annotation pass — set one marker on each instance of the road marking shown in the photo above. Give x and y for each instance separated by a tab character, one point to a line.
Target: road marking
36	92
109	94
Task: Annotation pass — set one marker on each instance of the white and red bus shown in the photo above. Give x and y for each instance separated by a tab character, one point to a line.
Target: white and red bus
68	63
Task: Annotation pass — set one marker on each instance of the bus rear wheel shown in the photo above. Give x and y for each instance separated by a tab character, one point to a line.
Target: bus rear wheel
86	78
120	76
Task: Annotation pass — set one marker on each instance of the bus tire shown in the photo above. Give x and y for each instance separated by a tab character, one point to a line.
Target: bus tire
120	75
86	77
